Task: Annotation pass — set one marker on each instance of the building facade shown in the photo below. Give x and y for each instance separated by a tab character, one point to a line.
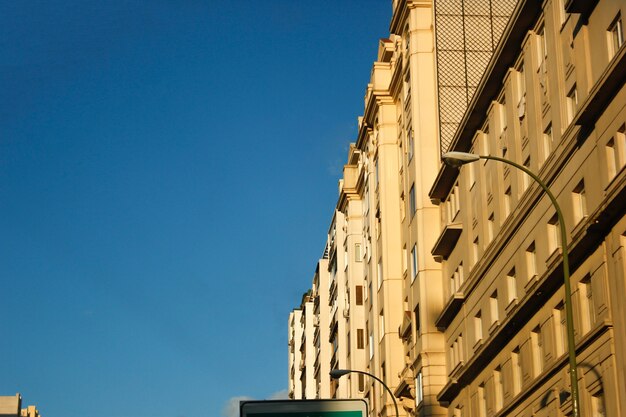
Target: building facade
11	406
552	100
447	283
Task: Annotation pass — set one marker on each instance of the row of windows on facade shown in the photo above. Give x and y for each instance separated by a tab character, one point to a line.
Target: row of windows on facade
488	318
616	160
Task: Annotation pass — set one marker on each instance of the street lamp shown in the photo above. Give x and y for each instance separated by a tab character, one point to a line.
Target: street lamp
456	159
338	373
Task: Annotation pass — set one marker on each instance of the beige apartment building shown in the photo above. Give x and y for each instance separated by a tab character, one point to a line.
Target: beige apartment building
11	406
447	284
553	100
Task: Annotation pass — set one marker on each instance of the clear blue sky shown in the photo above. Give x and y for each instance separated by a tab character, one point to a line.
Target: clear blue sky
168	171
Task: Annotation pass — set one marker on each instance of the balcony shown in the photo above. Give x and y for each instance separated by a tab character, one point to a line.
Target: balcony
447	241
450	311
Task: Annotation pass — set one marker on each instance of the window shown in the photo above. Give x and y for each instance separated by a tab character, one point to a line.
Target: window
490	226
471	175
414	264
507	202
376	172
359	295
616	36
588	310
410	144
525	176
572	103
358	256
531	261
597	404
493	308
412	202
366	199
416	314
359	339
371	345
516	366
537	350
419	389
407	40
381	324
380	273
482	401
611	159
452	203
475	250
361	382
560	326
554	235
511	286
547	144
478	327
404	259
580	201
407	86
499	389
456	280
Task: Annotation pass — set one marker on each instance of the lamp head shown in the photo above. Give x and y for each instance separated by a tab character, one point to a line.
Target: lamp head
456	159
338	373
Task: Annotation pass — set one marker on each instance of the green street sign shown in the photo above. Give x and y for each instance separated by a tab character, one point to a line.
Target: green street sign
303	408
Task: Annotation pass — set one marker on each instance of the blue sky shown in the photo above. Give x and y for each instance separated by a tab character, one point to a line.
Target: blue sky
168	170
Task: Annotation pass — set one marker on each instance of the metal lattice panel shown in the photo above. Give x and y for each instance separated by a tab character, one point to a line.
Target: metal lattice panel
467	32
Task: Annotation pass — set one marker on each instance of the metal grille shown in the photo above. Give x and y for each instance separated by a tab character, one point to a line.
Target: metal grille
467	32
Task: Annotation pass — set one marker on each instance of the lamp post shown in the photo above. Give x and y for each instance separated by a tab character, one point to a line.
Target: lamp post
456	159
338	373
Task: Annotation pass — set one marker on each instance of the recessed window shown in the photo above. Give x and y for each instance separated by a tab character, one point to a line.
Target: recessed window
525	176
359	295
554	241
493	307
475	250
531	261
616	35
358	256
414	263
547	143
616	152
511	285
412	201
517	370
482	401
597	404
536	343
419	389
410	144
560	324
580	201
490	226
478	327
572	103
586	303
456	280
611	158
507	202
416	314
498	388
